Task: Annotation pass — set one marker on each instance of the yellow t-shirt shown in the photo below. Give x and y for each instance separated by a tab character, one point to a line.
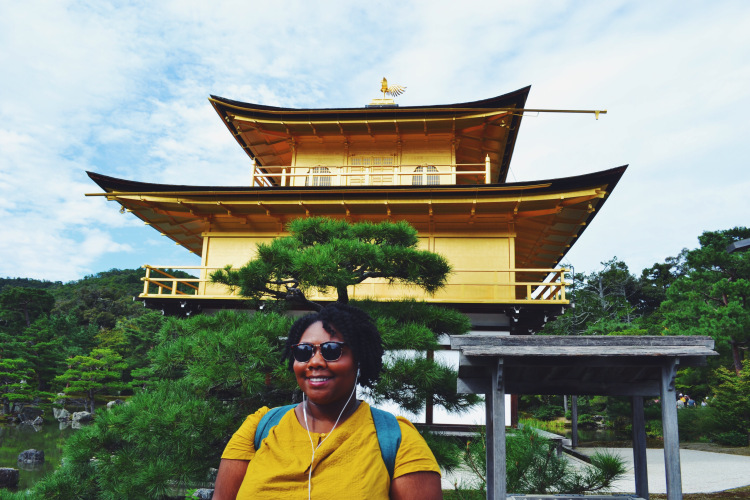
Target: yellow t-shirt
347	465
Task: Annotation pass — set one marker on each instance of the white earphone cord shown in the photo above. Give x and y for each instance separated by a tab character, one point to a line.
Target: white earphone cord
312	460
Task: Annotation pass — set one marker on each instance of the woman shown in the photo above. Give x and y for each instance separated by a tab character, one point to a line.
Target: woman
327	447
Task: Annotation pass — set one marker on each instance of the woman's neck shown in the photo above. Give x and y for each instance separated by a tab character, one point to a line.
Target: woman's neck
321	418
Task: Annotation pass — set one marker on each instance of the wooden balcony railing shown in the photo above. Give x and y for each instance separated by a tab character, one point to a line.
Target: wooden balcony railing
464	286
345	175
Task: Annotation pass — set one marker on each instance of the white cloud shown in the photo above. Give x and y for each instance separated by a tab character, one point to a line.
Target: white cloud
122	90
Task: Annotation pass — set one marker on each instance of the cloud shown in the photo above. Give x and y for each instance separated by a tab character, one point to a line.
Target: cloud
122	90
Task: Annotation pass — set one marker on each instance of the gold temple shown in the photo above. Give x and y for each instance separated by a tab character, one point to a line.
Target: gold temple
442	168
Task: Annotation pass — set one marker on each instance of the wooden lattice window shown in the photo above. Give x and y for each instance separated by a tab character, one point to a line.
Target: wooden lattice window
380	167
432	180
318	180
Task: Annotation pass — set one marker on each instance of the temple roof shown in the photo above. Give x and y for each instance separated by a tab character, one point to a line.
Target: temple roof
479	128
546	216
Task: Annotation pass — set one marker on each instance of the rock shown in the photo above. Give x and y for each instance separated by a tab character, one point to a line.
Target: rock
38	421
82	416
61	415
61	399
30	413
31	457
8	476
116	402
203	494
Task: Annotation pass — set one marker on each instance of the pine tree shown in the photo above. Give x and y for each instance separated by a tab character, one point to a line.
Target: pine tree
89	375
713	296
324	254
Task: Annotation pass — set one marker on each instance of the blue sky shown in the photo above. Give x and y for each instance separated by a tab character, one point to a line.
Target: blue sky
121	89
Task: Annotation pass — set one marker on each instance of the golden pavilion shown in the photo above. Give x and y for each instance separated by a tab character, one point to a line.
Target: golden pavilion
442	168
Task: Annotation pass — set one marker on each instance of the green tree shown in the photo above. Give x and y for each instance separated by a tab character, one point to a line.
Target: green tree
731	405
323	254
19	307
14	386
164	440
90	375
605	301
713	296
44	351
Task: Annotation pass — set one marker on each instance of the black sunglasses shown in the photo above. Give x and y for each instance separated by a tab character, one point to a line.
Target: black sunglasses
331	351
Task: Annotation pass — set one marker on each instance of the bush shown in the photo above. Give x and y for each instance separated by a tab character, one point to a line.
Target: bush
732	438
696	423
550	412
165	438
533	467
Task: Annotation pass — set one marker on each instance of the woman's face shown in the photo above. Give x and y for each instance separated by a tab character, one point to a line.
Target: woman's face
325	382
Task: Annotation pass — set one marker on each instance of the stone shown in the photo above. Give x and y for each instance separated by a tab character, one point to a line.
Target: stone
61	415
8	476
203	494
82	416
38	421
31	457
116	402
30	413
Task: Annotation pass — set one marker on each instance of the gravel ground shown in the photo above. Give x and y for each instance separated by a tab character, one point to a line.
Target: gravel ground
702	471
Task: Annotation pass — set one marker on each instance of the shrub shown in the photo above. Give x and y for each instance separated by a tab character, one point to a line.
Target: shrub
533	467
732	438
549	412
165	438
696	423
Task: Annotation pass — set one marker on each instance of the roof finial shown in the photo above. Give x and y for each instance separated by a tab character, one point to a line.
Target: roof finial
393	91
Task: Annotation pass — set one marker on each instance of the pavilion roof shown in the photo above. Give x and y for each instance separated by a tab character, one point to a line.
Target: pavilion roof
546	216
479	128
611	365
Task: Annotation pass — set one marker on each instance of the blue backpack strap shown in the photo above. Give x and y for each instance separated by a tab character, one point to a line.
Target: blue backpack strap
268	422
389	437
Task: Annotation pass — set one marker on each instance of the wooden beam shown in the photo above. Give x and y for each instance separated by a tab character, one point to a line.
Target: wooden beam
495	404
669	430
640	466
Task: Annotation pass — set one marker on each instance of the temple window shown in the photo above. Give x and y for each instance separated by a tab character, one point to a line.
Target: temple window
318	180
432	180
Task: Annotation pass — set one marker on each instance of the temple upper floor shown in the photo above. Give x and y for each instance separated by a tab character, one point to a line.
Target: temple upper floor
456	144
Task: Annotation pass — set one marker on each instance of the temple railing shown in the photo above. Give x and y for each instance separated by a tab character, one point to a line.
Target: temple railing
511	286
371	175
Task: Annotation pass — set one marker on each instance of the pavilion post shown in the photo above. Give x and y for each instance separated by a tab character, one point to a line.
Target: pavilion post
669	430
639	448
495	405
574	422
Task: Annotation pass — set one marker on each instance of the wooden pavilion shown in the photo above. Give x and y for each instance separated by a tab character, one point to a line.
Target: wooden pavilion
636	367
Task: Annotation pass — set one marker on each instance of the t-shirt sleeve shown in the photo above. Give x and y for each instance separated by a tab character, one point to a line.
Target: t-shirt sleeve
241	446
413	454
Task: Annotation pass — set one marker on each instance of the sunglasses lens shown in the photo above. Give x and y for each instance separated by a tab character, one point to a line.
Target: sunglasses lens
331	351
303	352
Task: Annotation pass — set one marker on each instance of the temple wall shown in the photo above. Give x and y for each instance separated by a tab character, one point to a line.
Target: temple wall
384	160
480	264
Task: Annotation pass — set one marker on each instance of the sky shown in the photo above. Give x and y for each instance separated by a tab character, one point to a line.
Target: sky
121	88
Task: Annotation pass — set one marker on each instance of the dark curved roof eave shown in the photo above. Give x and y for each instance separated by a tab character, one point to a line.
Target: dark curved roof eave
609	177
516	99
